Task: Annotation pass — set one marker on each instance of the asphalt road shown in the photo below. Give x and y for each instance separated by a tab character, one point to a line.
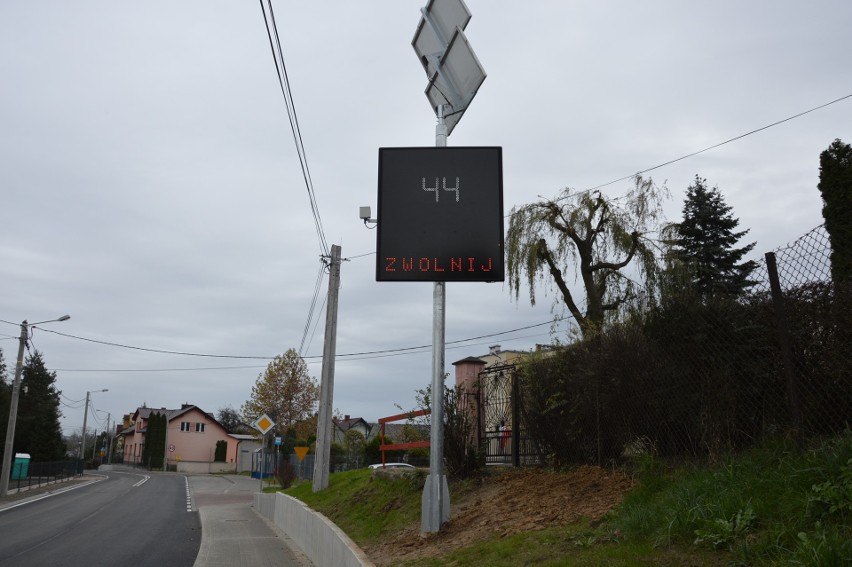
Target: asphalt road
124	519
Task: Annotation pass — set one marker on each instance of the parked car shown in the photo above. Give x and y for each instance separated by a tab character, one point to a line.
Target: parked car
392	466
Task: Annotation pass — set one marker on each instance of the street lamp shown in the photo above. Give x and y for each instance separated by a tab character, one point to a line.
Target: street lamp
13	406
85	415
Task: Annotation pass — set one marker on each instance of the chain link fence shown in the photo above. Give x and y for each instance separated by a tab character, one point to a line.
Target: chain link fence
698	376
812	316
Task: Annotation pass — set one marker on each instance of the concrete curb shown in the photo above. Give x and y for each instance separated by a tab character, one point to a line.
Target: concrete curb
317	536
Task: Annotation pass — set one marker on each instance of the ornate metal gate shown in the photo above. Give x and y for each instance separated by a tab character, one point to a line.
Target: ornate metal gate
502	433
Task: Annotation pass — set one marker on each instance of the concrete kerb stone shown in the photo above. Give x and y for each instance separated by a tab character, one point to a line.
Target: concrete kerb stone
317	536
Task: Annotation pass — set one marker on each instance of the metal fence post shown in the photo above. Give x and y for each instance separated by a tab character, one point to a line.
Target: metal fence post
516	420
783	328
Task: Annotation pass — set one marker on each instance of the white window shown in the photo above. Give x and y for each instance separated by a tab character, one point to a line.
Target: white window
184	425
199	428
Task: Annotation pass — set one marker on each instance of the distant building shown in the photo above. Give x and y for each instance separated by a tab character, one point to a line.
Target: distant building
372	430
246	445
341	426
487	383
191	439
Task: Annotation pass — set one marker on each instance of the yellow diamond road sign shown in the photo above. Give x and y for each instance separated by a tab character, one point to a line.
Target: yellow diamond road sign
264	424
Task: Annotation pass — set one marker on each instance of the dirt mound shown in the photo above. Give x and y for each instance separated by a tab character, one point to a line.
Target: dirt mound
508	503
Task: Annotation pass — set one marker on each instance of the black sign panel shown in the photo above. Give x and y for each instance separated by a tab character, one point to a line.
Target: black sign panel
440	213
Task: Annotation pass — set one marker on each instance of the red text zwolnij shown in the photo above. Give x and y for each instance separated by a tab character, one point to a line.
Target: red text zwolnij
436	265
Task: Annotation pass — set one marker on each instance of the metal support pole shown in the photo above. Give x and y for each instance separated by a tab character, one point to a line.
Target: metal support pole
262	460
83	441
783	329
165	440
13	414
516	420
324	431
435	502
109	439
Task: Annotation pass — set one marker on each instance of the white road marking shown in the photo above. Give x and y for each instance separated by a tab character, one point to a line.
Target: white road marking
188	495
141	482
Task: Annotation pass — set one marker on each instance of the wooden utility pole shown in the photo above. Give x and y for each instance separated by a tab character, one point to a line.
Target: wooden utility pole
324	431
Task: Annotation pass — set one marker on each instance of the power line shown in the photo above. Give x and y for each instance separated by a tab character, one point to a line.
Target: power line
284	83
714	146
286	91
158	351
196	369
317	287
360	255
344	356
80	401
316	324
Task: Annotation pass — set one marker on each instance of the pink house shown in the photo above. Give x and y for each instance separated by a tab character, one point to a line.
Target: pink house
191	440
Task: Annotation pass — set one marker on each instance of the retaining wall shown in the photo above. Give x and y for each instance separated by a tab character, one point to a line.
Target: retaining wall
317	536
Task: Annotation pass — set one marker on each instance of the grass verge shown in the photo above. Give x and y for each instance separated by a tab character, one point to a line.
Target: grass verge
771	506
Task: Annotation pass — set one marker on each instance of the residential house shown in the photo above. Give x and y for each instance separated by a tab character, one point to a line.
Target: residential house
341	426
191	439
372	430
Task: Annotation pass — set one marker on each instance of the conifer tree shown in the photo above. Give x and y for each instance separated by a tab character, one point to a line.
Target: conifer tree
835	186
704	243
154	449
37	431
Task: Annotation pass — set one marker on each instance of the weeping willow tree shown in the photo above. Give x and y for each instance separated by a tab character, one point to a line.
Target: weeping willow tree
601	238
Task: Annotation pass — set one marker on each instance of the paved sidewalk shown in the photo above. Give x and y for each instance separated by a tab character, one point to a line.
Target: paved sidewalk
231	532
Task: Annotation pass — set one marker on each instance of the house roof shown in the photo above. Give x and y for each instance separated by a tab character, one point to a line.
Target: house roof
145	413
242	436
171	415
469	359
346	424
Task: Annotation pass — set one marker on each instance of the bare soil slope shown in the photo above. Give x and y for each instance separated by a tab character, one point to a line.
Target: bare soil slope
508	503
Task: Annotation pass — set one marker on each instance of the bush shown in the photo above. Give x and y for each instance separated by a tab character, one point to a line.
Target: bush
462	457
285	473
220	455
373	451
690	377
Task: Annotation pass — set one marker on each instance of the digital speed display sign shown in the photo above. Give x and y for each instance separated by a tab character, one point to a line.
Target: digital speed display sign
440	214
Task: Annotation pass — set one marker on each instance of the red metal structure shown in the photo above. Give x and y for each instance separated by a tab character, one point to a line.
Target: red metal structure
400	446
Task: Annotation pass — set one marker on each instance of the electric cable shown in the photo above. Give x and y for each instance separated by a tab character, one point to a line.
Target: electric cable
342	356
284	83
317	288
316	323
158	351
714	146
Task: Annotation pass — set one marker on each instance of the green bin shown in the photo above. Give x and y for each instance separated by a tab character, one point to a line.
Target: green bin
21	466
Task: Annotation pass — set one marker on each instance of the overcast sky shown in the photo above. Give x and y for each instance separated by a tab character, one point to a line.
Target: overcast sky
150	186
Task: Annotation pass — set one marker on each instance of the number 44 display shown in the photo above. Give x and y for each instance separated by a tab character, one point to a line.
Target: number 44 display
445	188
